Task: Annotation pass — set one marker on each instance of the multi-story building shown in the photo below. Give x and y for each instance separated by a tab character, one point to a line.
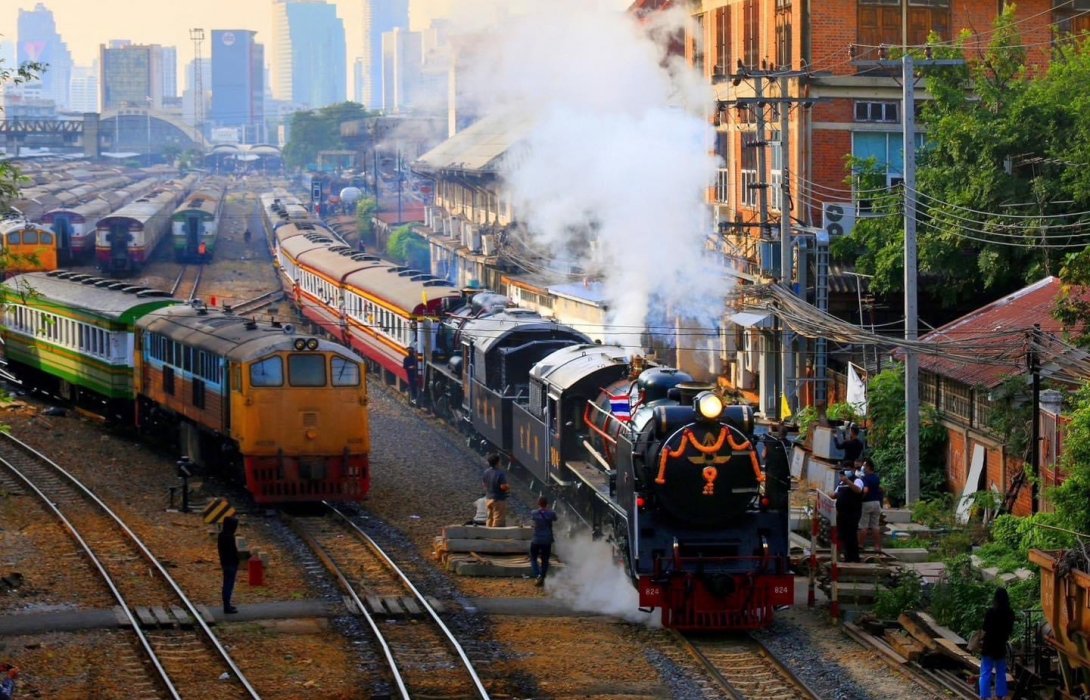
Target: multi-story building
83	91
379	17
132	75
39	41
805	74
169	65
317	54
401	70
238	83
189	95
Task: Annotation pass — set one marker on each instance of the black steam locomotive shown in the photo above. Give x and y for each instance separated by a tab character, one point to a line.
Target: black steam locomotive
694	502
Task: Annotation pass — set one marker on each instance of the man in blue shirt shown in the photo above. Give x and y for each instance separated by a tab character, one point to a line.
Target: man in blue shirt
541	544
496	488
870	520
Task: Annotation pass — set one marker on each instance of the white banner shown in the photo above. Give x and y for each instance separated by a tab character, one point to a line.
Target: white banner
857	390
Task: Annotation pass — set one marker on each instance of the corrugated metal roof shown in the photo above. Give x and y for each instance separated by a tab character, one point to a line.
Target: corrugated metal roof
478	147
996	334
60	289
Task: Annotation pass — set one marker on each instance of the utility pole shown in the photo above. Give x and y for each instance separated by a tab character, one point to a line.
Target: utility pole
780	375
1034	360
908	64
197	35
787	339
912	358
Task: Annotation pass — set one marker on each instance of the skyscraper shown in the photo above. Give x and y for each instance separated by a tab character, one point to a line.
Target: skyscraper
401	70
40	42
317	54
169	66
238	82
132	75
83	91
189	96
379	17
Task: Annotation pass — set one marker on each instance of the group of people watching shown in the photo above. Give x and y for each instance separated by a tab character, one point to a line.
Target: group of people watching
858	497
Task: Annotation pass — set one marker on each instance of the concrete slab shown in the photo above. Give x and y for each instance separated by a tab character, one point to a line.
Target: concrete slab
908	554
476	532
897	516
528	607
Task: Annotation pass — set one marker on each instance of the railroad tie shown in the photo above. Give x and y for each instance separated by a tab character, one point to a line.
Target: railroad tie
350	605
412	607
374	604
206	614
435	604
393	604
162	617
183	618
144	615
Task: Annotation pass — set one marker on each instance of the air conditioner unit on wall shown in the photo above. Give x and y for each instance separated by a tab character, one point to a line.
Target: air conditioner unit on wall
488	244
468	230
455	230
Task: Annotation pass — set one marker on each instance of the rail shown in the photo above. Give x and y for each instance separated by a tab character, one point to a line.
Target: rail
250	305
744	667
10	448
421	601
183	274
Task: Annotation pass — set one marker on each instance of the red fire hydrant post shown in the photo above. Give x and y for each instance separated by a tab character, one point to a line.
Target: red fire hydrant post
256	570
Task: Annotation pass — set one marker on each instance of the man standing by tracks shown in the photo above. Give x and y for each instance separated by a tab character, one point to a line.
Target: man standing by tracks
496	488
228	551
541	544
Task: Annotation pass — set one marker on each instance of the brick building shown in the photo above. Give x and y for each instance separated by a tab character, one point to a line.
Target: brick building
787	63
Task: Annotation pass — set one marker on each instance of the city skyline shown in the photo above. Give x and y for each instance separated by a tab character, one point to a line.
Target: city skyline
84	26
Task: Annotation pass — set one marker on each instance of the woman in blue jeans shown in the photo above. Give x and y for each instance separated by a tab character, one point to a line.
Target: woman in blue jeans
997	628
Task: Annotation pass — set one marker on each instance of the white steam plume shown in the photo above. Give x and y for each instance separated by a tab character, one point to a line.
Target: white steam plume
620	151
592	581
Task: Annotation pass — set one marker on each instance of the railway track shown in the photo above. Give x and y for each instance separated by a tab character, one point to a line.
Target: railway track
188	282
423	656
176	652
937	682
743	668
251	305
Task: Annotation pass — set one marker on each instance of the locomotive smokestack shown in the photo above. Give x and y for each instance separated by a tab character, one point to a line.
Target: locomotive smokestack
688	391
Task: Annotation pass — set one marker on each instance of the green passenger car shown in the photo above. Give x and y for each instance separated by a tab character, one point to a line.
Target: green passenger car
72	334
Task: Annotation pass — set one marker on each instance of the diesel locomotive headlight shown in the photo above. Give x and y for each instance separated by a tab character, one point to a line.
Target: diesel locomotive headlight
708	405
312	344
300	344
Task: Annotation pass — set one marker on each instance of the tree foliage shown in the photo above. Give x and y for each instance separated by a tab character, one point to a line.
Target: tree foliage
1072	498
407	247
886	437
317	130
9	174
995	171
365	211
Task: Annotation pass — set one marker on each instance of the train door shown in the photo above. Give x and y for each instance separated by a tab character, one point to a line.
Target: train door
119	239
63	228
192	235
552	433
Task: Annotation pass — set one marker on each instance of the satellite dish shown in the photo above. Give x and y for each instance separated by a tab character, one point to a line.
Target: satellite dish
351	195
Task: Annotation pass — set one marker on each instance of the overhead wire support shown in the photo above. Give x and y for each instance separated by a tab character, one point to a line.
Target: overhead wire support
907	63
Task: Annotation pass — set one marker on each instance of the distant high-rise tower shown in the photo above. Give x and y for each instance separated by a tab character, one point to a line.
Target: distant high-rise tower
83	89
317	54
193	107
379	17
170	71
40	42
132	75
238	82
401	70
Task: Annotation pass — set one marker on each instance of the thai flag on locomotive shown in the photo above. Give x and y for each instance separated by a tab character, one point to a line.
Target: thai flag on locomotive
618	406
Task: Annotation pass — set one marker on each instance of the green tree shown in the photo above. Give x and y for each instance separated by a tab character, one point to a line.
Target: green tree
9	174
886	438
993	173
407	247
1072	498
365	211
317	130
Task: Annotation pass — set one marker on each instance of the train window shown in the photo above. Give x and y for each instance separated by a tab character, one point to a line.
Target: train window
15	238
168	380
30	237
47	238
267	372
306	370
345	372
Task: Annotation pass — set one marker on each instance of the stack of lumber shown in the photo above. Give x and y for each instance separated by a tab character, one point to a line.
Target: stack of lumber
918	637
473	550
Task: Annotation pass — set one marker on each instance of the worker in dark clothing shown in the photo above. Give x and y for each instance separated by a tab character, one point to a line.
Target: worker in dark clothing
997	628
853	448
409	364
496	488
849	509
228	550
541	543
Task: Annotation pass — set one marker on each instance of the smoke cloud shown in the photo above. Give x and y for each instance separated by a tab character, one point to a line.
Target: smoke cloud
612	177
591	580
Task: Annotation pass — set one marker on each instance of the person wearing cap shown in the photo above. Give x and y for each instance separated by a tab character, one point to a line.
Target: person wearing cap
228	551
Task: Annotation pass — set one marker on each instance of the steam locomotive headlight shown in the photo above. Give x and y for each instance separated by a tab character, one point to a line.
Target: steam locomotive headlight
300	344
708	405
312	344
641	502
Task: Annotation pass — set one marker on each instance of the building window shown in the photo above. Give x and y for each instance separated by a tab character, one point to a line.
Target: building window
783	33
750	196
722	41
880	21
1071	17
751	32
883	112
775	200
697	46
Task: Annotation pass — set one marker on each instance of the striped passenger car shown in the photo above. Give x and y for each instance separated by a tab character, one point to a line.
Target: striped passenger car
72	334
